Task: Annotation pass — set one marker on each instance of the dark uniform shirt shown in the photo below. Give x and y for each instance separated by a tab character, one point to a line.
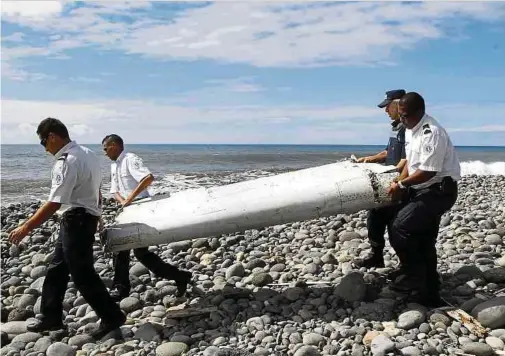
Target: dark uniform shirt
396	145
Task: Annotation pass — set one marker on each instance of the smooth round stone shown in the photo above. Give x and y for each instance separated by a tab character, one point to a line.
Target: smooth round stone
478	349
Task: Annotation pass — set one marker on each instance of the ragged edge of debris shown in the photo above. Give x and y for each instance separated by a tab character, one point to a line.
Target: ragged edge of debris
375	185
468	322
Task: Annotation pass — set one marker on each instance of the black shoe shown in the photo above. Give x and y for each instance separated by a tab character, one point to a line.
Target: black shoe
407	283
375	259
45	325
393	275
106	328
182	282
119	294
428	299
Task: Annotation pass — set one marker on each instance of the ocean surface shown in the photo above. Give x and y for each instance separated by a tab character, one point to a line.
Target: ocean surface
26	169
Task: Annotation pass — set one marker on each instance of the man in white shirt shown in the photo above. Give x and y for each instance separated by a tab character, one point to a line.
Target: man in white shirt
76	178
129	181
427	188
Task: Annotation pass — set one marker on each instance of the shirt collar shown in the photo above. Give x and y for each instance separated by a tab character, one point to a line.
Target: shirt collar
121	156
65	149
420	123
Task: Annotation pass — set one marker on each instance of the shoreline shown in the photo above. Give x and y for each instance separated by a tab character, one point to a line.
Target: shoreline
255	289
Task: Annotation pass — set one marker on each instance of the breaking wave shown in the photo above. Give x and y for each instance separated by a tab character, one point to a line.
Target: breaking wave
482	169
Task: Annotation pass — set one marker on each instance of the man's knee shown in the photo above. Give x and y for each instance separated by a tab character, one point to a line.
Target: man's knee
398	233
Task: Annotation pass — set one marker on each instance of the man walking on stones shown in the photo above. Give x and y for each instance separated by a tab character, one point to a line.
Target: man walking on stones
76	178
427	188
394	154
129	181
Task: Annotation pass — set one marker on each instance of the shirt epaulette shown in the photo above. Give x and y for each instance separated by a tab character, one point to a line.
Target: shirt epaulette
426	129
63	157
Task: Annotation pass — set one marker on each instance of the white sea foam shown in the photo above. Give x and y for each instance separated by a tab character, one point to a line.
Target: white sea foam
482	169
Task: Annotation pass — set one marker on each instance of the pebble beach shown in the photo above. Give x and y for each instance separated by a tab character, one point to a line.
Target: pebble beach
284	290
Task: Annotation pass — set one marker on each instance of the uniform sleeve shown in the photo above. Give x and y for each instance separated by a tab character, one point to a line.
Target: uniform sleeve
63	180
114	185
137	168
433	147
403	153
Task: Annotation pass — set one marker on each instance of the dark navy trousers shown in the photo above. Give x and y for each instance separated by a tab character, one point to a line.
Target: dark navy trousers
73	256
149	259
414	230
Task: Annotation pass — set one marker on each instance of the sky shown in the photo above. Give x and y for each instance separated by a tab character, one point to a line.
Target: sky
249	72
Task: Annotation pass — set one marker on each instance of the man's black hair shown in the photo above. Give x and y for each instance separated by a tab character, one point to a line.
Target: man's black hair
52	125
113	138
413	103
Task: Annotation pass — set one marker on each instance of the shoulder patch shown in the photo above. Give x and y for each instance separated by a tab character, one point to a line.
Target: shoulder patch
426	126
428	148
58	172
427	131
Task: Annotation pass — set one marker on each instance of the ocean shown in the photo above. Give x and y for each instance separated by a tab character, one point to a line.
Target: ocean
26	169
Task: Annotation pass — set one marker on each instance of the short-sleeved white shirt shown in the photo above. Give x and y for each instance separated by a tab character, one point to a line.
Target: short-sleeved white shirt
429	148
126	173
76	179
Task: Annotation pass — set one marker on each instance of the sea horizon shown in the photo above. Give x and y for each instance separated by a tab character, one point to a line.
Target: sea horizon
248	144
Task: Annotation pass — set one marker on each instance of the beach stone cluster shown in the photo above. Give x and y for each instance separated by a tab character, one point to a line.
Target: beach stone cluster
289	289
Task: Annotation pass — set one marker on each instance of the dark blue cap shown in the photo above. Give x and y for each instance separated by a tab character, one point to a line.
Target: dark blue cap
390	96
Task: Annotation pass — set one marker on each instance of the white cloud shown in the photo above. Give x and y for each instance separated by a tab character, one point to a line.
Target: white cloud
237	85
169	123
484	128
85	79
155	122
34	10
262	34
19	74
15	37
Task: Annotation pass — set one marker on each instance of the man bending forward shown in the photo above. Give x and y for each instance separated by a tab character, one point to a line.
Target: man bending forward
129	181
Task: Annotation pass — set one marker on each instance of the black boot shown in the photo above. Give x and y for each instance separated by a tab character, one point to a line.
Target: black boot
374	259
393	275
44	324
105	329
412	280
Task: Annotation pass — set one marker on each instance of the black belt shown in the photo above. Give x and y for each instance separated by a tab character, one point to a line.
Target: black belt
77	211
447	185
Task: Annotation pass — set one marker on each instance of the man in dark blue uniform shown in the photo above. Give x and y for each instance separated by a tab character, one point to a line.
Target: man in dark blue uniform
393	155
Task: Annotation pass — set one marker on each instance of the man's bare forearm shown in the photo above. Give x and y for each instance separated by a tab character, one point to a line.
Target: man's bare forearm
379	157
143	184
401	165
118	198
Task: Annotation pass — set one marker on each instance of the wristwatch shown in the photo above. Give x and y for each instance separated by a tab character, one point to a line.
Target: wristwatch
400	184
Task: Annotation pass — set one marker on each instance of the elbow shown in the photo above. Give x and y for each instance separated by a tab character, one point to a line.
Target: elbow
149	179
